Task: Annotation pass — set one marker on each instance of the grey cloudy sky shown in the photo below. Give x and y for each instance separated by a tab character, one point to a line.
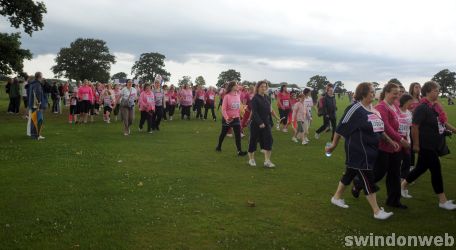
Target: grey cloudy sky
351	40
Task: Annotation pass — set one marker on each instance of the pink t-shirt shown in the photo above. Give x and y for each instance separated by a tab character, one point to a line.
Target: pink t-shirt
146	101
231	105
85	93
186	97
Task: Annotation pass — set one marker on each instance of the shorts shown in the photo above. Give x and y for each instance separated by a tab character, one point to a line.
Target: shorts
84	106
107	109
74	110
300	127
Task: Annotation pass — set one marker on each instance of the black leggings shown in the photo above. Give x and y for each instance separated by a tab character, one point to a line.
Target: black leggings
326	122
158	115
406	163
146	116
171	109
199	106
389	164
185	111
428	159
208	107
236	125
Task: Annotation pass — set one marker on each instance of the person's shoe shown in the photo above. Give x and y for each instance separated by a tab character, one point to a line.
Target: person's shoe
355	192
242	153
398	205
252	163
242	135
285	130
41	138
229	135
150	132
317	136
170	118
448	205
294	139
307	140
382	215
129	131
278	127
405	193
218	149
126	134
108	121
269	164
339	202
304	142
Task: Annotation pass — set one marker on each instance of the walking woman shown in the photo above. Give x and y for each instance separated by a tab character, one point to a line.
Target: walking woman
429	125
210	103
85	96
128	96
172	101
261	124
328	107
160	105
284	105
199	101
230	111
185	100
362	128
147	108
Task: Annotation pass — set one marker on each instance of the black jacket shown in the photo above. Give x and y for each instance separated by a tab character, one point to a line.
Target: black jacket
329	106
261	110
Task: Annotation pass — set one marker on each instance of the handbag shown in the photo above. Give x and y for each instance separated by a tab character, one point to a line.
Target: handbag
125	103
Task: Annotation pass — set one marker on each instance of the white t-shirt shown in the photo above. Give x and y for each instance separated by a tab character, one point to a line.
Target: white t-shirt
129	94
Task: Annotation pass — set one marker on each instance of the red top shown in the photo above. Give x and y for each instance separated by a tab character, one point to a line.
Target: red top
284	100
389	115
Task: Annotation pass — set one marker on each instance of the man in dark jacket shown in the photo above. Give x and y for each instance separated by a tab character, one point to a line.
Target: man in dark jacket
37	102
329	108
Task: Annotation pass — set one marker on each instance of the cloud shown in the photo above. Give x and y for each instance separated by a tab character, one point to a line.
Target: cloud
287	40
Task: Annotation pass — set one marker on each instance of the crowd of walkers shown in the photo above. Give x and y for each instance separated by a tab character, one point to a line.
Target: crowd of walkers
381	141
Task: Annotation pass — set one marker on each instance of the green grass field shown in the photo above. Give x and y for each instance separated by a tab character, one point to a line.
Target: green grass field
89	187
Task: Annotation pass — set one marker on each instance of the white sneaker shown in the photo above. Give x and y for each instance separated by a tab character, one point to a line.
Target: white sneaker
294	139
317	136
405	193
304	142
150	132
139	129
285	130
41	137
229	135
382	215
339	202
278	127
126	134
108	121
448	205
252	163
269	164
307	140
170	118
242	135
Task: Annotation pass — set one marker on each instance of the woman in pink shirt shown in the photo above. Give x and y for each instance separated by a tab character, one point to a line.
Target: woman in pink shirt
85	96
186	101
172	101
146	107
299	114
231	112
199	101
284	105
209	100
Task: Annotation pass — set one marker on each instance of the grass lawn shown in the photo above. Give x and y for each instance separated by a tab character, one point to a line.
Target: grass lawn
89	187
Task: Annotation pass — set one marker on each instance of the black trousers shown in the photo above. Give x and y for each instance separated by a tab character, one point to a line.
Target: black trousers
171	109
406	163
210	107
14	104
185	111
283	113
428	159
146	116
199	107
157	117
236	125
261	135
389	164
365	177
326	121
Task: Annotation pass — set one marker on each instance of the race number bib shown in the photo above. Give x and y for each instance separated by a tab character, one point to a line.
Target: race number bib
188	98
404	125
201	97
211	97
150	99
286	103
235	105
377	123
85	97
73	102
441	126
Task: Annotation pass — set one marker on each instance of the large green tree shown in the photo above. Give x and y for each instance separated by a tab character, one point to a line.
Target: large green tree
148	66
446	80
200	81
29	15
84	59
317	82
229	75
339	87
119	75
12	56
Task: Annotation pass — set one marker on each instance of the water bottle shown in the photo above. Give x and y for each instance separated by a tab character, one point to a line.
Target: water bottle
327	153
